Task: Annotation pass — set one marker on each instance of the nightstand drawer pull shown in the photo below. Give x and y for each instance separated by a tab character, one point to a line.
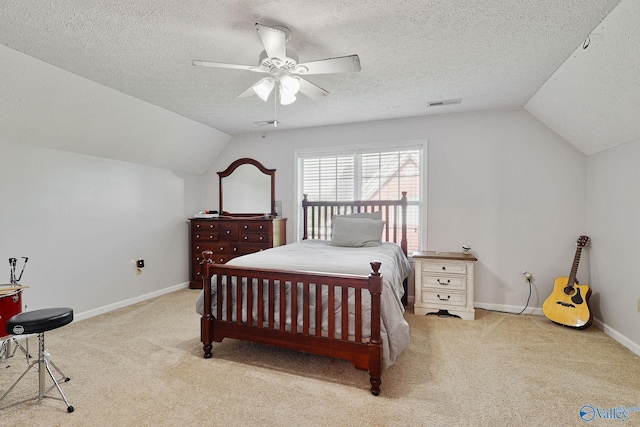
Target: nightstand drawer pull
444	283
444	268
444	299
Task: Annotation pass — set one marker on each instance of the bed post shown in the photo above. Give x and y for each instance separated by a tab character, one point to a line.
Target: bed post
403	237
305	204
206	321
375	347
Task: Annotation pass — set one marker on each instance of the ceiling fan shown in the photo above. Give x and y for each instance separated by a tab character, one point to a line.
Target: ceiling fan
284	70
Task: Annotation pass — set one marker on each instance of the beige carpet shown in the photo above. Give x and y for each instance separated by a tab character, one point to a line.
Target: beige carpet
143	366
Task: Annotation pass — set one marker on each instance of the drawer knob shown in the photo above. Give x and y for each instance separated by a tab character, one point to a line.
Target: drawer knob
197	236
444	299
197	225
246	226
222	248
235	249
261	227
444	268
211	226
228	231
444	283
261	238
211	237
245	237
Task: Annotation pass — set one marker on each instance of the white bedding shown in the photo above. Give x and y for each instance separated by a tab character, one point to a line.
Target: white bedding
319	256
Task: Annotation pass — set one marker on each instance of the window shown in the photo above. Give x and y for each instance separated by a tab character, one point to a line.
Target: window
381	174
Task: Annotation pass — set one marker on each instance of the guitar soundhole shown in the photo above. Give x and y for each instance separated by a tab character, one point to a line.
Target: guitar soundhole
569	290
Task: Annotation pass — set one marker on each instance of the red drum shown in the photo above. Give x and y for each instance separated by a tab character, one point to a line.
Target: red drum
10	305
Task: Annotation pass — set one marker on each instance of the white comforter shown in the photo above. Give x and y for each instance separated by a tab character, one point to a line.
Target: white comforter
319	256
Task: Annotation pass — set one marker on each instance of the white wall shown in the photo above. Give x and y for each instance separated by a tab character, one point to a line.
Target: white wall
501	182
80	218
613	212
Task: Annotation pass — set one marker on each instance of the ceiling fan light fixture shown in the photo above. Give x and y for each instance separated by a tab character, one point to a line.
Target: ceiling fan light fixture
286	98
263	88
289	85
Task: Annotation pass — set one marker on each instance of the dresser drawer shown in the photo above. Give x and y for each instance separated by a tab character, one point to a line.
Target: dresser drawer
206	236
238	249
254	237
216	248
450	267
229	232
444	282
254	226
442	297
198	225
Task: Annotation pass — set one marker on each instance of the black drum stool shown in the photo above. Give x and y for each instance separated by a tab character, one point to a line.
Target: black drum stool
37	322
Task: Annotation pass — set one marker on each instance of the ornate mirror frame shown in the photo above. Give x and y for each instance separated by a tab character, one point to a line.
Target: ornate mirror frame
271	175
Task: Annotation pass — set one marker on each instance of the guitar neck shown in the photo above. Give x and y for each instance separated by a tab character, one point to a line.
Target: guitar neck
574	267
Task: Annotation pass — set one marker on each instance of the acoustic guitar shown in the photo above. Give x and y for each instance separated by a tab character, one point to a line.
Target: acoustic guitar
568	304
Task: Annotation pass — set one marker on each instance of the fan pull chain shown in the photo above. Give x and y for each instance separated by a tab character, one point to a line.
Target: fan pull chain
275	108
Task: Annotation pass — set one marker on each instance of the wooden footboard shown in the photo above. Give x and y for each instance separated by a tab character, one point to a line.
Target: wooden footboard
241	314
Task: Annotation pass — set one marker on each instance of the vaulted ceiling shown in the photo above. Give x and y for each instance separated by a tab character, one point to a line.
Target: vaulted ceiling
492	54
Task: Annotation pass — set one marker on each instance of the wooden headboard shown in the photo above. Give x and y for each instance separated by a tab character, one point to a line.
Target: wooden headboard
316	217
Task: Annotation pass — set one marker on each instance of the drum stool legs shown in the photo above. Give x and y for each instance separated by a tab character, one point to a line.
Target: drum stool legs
37	322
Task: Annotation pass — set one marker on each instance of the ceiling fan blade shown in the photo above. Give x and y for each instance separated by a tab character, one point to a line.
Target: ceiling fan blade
247	93
312	91
342	64
200	63
274	41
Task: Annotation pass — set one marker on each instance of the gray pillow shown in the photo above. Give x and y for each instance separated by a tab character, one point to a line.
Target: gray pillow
356	232
372	215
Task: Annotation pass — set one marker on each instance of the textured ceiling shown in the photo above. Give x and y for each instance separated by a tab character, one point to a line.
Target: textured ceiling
593	99
494	54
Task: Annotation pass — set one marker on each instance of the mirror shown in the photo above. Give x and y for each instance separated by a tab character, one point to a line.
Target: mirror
247	187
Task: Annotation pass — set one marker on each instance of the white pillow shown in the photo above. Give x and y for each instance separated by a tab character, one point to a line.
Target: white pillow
356	232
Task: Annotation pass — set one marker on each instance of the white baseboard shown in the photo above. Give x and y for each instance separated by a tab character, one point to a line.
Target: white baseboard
634	347
514	309
127	302
617	336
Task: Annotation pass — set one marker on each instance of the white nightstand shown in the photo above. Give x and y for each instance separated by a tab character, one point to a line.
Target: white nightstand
444	281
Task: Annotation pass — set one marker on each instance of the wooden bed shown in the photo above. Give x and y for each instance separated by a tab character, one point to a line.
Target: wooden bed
230	321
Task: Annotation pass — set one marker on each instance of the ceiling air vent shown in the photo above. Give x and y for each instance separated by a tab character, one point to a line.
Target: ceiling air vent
445	102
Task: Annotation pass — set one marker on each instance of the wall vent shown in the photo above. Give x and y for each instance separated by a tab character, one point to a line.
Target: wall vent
445	102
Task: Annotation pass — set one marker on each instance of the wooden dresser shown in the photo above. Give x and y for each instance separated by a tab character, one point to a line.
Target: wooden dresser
444	281
228	238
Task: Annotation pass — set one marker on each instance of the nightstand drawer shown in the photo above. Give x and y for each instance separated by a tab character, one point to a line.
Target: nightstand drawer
449	267
444	282
444	298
